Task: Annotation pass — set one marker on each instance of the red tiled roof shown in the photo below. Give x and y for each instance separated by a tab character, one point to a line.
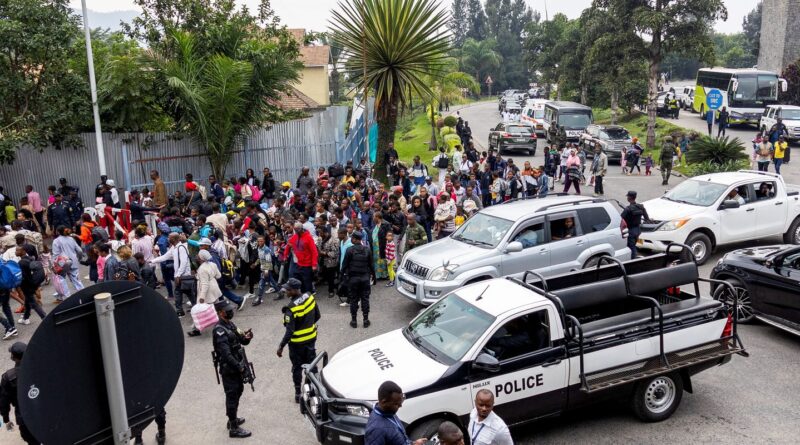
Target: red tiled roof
315	55
296	100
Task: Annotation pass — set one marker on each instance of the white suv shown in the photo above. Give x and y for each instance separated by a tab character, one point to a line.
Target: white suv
790	114
552	235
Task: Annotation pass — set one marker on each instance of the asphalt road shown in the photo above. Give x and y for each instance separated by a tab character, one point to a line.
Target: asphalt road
750	400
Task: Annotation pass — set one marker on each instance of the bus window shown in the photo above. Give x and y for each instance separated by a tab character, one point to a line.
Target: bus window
767	87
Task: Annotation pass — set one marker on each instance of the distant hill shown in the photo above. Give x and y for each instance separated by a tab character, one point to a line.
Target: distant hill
109	20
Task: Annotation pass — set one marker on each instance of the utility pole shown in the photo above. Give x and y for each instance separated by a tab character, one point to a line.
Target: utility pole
366	84
98	131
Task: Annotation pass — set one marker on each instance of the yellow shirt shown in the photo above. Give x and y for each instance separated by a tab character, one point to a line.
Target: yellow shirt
780	149
459	219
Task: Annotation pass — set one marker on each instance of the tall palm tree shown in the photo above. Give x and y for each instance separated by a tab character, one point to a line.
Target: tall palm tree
399	42
480	57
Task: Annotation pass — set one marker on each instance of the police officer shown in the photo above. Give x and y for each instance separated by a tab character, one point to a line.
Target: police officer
667	150
228	344
8	394
300	318
633	214
356	272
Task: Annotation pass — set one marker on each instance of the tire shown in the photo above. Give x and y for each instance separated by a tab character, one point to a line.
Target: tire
427	429
532	152
656	398
792	236
702	112
701	247
723	294
592	262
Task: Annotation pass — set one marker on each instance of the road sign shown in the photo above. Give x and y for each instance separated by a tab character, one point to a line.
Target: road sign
714	99
62	382
489	80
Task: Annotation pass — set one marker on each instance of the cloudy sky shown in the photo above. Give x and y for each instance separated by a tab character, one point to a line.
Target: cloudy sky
314	14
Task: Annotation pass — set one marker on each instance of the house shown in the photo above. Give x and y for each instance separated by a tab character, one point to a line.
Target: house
314	78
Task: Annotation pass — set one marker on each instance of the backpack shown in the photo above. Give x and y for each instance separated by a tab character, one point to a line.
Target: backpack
472	155
227	268
256	193
335	170
37	272
99	234
123	273
10	275
62	264
442	162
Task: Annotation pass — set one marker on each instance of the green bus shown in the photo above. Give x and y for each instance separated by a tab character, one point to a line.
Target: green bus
746	91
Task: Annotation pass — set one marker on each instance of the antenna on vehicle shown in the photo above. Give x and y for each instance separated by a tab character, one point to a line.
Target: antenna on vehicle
482	292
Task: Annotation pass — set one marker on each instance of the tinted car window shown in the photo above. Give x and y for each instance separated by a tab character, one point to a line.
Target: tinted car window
617	133
518	129
594	219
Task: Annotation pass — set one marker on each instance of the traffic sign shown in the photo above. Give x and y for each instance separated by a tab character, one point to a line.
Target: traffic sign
714	99
489	80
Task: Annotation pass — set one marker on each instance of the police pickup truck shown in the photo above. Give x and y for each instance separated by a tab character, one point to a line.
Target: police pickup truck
637	330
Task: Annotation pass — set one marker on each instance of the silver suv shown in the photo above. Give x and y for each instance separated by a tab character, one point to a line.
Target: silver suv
551	235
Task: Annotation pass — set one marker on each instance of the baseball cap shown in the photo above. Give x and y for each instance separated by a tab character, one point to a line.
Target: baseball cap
224	305
293	284
286	184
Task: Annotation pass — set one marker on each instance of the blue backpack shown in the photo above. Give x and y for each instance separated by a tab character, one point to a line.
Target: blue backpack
10	275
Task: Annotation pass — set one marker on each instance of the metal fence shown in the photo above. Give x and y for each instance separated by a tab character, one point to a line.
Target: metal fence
284	148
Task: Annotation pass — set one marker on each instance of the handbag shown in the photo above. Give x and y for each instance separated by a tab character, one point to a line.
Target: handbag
204	316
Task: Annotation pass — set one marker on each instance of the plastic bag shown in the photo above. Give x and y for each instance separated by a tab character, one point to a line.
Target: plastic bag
204	316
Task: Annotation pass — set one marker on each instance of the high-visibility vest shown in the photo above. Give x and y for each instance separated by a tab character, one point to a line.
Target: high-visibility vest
304	312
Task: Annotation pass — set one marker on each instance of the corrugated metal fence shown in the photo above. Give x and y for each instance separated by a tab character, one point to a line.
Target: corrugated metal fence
284	148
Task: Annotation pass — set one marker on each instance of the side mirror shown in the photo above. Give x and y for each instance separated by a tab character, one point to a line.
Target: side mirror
513	247
729	204
784	85
485	362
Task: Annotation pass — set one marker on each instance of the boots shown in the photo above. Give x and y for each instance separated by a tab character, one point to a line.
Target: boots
239	421
161	437
258	301
353	323
366	322
236	431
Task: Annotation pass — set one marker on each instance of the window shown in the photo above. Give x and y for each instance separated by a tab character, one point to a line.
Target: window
499	127
563	226
520	336
763	191
575	119
594	219
792	261
531	235
790	115
710	79
693	192
617	134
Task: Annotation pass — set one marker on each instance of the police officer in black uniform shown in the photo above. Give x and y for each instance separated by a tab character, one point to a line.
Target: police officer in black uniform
8	394
356	272
633	214
228	346
300	318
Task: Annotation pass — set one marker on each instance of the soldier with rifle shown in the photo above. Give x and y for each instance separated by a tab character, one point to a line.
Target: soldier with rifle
234	369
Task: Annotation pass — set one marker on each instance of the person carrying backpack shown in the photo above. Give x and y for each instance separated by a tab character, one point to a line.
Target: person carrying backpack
441	161
32	277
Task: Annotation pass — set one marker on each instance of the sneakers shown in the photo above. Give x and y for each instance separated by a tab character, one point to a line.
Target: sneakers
367	323
239	422
344	304
271	290
238	433
353	324
193	333
390	283
244	300
257	301
180	313
10	333
25	321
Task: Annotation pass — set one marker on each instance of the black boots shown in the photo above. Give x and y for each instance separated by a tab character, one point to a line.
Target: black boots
236	431
366	322
353	323
161	437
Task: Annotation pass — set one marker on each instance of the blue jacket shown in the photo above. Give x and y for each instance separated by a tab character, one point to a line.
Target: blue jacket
383	429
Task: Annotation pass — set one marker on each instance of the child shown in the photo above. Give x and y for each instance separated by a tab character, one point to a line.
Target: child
147	200
459	219
648	164
390	257
147	272
265	258
623	160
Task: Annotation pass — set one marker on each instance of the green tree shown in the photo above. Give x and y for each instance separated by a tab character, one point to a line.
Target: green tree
506	21
668	26
457	24
476	20
447	89
792	75
480	58
545	46
42	101
751	27
397	43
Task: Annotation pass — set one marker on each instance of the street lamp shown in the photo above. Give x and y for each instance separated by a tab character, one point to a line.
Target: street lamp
98	131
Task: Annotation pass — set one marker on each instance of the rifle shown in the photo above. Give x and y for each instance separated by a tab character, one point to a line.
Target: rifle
215	361
249	373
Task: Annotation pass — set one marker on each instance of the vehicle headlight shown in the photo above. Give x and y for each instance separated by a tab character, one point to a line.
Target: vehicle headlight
313	405
357	410
442	273
675	224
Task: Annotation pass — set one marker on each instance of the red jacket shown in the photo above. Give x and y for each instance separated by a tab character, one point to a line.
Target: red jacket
304	249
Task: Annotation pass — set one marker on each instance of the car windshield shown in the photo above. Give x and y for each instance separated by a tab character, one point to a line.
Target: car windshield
699	193
448	329
538	113
518	129
790	115
616	133
483	230
575	119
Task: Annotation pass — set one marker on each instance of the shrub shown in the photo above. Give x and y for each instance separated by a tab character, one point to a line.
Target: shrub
450	121
447	130
716	150
451	140
706	167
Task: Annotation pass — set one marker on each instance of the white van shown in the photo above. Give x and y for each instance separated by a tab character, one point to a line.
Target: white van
533	113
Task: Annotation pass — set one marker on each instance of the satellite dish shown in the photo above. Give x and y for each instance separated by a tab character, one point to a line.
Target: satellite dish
62	383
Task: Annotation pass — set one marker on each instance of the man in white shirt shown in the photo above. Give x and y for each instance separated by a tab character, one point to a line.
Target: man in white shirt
485	427
184	280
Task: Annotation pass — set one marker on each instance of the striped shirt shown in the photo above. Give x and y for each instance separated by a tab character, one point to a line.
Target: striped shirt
390	249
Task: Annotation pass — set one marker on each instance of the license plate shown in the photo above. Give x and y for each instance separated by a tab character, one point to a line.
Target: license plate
408	287
521	139
639	242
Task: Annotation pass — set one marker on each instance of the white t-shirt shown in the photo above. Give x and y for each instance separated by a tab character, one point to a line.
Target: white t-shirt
492	431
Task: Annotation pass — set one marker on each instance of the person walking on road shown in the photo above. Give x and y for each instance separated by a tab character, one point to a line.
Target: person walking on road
229	342
485	427
357	268
667	151
779	153
722	122
300	318
383	426
8	394
633	215
710	121
599	170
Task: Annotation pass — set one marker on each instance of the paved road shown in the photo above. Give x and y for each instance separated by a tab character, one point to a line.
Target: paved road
747	401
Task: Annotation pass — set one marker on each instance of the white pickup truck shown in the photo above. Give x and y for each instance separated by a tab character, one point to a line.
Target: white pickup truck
542	346
722	208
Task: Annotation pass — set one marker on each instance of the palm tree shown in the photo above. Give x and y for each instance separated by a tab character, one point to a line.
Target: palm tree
397	43
480	57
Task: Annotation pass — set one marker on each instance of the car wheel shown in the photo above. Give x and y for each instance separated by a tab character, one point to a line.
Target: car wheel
745	304
427	429
532	152
656	398
702	111
593	261
792	236
701	247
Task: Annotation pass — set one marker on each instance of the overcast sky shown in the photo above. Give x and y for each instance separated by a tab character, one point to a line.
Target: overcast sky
314	14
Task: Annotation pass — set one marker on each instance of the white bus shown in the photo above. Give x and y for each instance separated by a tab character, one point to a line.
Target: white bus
746	92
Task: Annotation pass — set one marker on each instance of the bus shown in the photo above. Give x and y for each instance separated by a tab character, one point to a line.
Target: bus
745	92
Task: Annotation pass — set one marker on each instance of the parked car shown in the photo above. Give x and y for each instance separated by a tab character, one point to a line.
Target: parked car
722	208
766	281
610	138
552	235
662	103
789	114
513	136
685	96
589	337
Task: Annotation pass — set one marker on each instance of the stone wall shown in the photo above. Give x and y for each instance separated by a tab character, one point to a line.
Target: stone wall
780	34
